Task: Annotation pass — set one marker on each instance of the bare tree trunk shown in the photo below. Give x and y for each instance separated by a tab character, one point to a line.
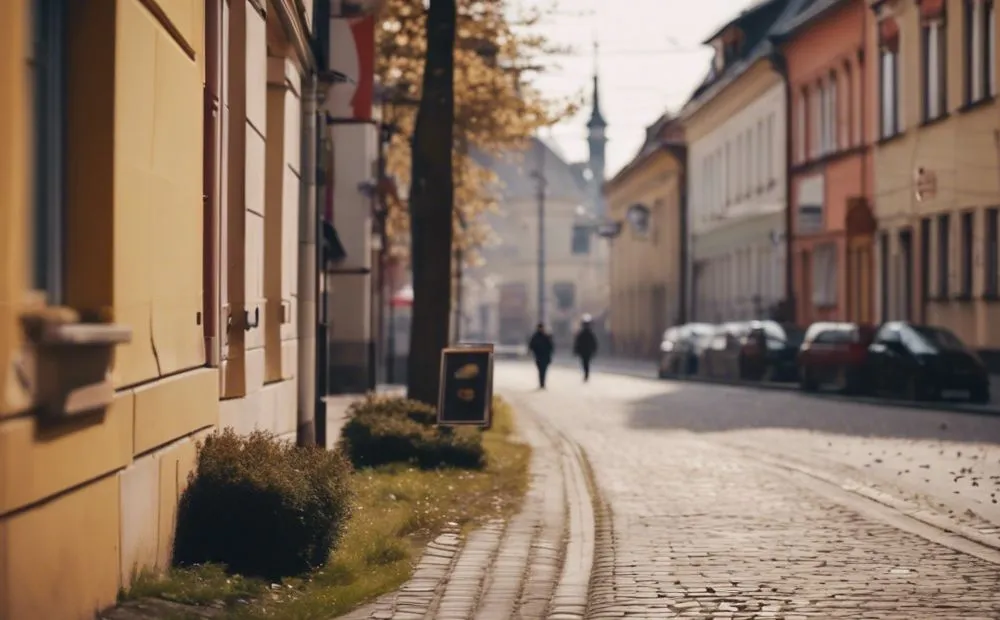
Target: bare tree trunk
431	203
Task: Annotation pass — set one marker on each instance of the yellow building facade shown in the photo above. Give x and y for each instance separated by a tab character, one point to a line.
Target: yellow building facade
937	166
646	265
134	230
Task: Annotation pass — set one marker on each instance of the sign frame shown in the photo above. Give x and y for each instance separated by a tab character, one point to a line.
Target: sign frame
487	419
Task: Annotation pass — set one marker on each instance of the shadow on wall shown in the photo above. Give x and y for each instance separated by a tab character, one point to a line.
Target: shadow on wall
703	408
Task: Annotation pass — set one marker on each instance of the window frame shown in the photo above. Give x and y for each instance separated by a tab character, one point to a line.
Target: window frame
967	233
934	67
991	252
979	29
888	110
49	134
802	126
830	127
577	235
943	254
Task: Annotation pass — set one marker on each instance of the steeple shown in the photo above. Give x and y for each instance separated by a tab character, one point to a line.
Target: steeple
597	140
596	118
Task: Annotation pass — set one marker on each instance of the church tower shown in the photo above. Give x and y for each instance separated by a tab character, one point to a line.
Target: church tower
597	140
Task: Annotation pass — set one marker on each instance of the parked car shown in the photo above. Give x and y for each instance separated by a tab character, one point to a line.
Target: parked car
722	358
835	353
681	349
769	352
925	363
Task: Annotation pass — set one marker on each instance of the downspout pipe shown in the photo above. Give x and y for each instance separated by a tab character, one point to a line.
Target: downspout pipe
309	400
780	65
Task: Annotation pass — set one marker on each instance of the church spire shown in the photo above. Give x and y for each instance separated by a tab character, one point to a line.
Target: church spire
596	118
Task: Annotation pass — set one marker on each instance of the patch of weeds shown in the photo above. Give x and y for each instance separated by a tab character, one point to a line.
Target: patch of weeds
397	509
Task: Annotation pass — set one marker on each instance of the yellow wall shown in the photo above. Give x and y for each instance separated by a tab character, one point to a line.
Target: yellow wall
734	97
962	151
645	270
85	502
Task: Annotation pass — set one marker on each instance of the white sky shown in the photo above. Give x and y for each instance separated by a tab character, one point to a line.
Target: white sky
650	61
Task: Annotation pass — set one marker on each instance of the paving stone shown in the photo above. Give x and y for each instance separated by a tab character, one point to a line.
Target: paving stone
690	528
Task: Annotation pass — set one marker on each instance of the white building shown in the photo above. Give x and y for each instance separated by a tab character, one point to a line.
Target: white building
735	124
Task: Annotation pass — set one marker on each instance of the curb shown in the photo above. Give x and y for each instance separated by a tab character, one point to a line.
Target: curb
791	387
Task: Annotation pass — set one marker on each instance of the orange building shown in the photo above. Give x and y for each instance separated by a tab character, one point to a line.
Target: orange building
831	166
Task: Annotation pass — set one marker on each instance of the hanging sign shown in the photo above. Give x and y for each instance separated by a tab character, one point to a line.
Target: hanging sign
466	386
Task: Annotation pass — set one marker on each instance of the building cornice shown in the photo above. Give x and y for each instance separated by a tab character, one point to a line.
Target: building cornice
715	92
292	17
641	161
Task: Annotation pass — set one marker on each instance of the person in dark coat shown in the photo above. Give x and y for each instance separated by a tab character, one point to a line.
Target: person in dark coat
585	345
542	347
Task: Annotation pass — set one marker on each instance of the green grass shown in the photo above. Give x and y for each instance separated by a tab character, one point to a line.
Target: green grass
398	510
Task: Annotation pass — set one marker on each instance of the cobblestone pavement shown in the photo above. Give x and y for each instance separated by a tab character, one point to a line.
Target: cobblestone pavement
698	529
945	460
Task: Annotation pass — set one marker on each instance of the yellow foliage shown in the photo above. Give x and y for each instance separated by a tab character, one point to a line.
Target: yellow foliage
495	112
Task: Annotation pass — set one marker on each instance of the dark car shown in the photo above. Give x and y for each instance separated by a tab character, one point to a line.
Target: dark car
769	352
835	353
723	357
920	362
681	349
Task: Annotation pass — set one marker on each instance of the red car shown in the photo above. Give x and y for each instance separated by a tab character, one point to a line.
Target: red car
835	353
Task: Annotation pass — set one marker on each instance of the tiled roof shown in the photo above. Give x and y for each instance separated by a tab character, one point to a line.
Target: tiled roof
757	27
813	10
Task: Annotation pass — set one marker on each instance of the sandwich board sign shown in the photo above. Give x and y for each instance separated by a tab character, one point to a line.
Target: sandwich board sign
466	386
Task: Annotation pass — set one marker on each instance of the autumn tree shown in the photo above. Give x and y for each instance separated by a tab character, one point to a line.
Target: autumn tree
495	111
491	112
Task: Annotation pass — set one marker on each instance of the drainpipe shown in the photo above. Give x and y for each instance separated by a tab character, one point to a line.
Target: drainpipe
685	258
309	401
780	66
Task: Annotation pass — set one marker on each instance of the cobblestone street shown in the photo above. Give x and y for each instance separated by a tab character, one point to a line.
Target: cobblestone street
695	525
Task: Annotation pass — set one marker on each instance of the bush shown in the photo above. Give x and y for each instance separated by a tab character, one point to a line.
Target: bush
262	506
382	430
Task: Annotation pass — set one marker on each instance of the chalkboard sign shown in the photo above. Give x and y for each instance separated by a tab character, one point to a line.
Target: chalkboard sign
466	395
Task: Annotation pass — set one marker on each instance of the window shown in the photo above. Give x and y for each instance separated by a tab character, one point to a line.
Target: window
991	254
935	62
581	239
883	280
748	145
925	258
761	155
846	117
980	47
889	78
728	176
817	121
830	124
943	251
824	275
49	100
565	293
968	223
770	149
801	127
738	189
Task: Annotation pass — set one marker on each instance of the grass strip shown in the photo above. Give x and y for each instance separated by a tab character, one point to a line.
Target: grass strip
398	510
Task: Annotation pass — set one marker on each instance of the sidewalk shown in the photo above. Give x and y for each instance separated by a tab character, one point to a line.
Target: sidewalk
537	565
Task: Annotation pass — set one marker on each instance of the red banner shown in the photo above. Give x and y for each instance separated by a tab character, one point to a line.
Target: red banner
353	55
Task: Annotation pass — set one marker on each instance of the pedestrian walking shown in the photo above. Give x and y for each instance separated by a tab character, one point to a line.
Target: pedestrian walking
585	345
542	347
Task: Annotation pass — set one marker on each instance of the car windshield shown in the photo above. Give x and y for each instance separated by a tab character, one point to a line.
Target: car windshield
783	333
940	338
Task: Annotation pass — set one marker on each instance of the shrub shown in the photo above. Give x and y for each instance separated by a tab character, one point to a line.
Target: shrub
382	430
262	506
